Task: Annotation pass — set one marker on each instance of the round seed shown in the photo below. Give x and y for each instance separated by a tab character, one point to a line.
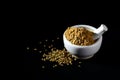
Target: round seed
46	40
43	66
78	65
28	48
44	45
35	49
52	40
40	42
49	46
40	51
58	38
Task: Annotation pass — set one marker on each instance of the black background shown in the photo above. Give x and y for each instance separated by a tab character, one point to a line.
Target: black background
48	23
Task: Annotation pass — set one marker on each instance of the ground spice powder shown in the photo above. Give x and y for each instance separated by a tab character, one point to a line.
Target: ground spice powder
79	36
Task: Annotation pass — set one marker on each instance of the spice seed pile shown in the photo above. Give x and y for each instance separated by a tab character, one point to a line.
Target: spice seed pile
79	36
62	57
59	57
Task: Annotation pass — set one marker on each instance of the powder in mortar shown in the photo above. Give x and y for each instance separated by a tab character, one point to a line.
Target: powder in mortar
79	36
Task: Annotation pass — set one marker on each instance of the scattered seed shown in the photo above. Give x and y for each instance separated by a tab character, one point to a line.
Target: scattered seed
49	46
35	49
42	59
40	42
58	38
40	51
44	45
54	66
28	48
43	66
52	40
78	65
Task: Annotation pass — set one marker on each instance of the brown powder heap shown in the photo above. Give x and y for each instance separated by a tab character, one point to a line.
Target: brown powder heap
62	57
79	36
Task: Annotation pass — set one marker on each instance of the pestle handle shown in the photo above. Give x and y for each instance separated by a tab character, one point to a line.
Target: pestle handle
98	32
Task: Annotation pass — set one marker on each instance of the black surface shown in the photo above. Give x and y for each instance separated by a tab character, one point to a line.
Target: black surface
105	64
